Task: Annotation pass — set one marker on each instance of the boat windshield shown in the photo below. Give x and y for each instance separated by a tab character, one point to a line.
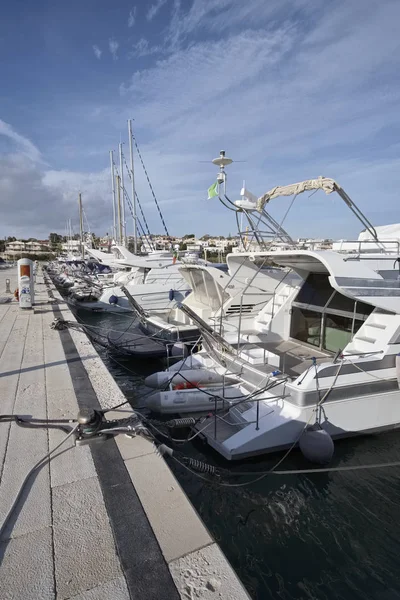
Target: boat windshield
206	290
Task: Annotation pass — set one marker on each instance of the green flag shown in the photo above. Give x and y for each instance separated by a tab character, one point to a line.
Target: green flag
213	190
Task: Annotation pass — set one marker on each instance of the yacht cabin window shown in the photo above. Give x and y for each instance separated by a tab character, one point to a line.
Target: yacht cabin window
323	317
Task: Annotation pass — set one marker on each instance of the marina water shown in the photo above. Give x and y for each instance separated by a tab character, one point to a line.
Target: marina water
332	536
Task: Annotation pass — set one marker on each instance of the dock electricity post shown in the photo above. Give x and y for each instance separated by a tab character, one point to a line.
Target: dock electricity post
133	187
81	225
121	171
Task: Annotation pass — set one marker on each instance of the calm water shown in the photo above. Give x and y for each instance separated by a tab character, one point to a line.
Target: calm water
331	536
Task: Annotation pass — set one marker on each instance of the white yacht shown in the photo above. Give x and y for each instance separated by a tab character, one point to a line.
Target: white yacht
318	345
235	295
153	280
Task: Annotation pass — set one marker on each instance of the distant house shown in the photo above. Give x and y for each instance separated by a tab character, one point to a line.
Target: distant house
14	249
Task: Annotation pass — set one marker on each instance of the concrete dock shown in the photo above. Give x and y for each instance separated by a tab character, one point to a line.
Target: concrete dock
99	522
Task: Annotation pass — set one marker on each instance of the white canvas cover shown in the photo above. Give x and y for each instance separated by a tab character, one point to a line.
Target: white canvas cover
322	183
384	232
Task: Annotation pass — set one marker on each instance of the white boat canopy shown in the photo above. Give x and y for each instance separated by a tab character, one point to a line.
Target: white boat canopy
321	183
385	233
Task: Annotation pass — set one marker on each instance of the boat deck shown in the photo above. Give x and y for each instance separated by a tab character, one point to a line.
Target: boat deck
294	356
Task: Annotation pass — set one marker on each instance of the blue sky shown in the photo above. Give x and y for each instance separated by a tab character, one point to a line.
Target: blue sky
296	88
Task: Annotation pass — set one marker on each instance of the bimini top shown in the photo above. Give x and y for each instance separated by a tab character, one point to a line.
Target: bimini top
351	279
321	183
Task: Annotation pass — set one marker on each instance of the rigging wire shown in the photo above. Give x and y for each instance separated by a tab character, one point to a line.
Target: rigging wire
151	187
138	201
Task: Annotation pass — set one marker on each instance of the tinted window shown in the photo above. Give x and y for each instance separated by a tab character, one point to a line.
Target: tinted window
306	326
316	290
340	302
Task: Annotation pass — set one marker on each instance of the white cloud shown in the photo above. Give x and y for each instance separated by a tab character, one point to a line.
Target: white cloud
192	79
154	8
132	17
292	87
36	199
143	48
22	144
289	96
113	46
97	51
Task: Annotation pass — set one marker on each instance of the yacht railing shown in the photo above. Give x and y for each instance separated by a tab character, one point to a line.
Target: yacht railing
361	246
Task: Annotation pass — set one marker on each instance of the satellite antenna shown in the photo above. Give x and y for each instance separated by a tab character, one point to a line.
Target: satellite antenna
222	161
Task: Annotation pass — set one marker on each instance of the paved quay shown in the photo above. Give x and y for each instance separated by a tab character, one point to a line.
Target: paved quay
98	522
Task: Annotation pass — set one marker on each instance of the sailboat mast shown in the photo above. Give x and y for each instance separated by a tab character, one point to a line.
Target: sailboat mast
119	209
113	193
81	225
121	171
133	188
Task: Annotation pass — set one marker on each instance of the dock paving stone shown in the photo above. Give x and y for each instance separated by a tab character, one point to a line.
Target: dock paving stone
206	574
33	511
27	567
70	463
112	590
84	548
167	508
6	327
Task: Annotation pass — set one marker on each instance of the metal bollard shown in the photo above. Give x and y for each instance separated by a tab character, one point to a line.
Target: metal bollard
8	289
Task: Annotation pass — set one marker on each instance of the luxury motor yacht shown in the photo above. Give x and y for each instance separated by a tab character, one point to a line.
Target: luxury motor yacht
316	348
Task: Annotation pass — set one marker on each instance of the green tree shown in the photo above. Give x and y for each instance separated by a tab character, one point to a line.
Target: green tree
95	241
188	235
55	239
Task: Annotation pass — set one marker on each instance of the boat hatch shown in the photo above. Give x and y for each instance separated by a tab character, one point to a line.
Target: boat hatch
323	317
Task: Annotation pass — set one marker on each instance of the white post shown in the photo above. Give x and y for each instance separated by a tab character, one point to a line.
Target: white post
121	172
114	233
25	283
133	187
